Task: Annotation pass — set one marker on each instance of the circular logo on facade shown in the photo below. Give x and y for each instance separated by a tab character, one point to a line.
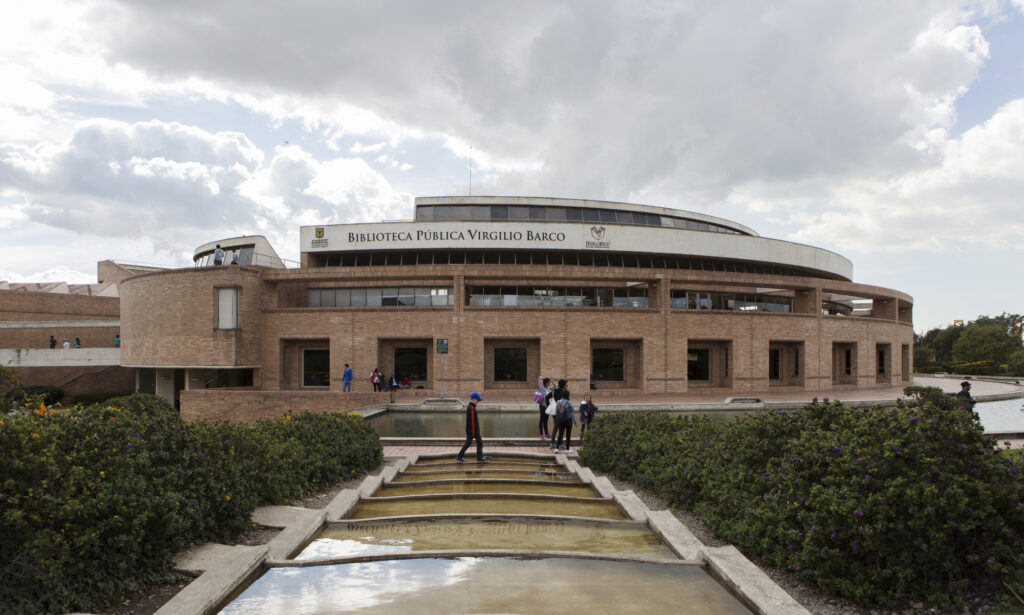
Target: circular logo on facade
597	232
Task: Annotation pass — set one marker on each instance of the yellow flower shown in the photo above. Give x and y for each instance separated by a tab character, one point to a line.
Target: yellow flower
227	497
111	418
42	407
35	435
1	421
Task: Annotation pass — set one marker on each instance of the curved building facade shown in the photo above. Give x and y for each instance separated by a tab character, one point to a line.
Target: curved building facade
625	298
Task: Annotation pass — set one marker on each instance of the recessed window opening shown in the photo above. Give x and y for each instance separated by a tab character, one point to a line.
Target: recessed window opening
227	308
510	364
411	363
698	367
608	364
316	367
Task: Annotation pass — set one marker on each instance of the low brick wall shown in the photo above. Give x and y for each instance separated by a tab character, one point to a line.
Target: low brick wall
247	406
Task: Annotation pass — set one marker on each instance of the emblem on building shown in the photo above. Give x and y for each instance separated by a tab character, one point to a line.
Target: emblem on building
597	232
319	241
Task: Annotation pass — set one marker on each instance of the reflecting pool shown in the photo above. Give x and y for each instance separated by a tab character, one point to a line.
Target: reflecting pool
411	424
1002	416
486	585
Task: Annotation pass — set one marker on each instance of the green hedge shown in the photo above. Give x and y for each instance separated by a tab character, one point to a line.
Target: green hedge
97	398
883	506
50	395
96	500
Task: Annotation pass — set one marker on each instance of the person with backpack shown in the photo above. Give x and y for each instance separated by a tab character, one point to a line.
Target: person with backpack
564	419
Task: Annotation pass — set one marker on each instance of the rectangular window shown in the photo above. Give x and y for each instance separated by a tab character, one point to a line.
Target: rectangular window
698	366
796	361
411	363
440	296
774	364
510	365
227	308
848	368
881	361
608	364
373	297
316	367
358	297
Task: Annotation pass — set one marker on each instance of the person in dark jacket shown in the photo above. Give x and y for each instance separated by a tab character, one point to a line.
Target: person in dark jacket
587	411
473	431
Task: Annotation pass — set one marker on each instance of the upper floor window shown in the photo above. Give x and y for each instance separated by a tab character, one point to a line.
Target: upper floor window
227	308
422	296
745	302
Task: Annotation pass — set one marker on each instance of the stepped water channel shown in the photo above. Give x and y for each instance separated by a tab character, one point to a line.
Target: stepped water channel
525	533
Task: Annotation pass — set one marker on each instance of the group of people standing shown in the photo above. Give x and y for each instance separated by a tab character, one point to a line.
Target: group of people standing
554	400
377	379
67	344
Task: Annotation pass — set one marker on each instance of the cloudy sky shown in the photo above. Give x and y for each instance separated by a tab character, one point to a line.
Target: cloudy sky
892	133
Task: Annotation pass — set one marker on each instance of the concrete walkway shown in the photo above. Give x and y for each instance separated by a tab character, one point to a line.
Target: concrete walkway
983	390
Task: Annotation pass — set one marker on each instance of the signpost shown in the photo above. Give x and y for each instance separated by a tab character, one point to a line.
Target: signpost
442	349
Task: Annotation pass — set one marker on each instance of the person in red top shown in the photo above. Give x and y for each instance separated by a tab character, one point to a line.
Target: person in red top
473	431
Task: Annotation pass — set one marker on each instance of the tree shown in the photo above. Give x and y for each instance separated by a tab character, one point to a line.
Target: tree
984	341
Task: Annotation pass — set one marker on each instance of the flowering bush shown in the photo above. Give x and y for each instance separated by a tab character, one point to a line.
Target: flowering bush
883	505
95	500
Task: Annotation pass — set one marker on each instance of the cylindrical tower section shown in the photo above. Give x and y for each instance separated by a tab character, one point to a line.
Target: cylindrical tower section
202	317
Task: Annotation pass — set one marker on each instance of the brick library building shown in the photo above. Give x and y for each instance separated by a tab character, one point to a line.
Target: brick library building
489	293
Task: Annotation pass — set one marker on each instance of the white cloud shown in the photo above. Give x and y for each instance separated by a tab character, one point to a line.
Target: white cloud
182	186
54	274
971	196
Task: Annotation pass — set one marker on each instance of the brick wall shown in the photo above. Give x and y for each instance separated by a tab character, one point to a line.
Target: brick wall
169	318
246	406
30	307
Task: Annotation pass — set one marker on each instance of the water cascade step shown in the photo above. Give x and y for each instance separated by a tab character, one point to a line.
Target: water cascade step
525	533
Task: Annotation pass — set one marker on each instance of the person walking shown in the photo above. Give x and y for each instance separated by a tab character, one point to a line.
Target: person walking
376	379
346	380
67	344
78	343
544	398
587	412
964	395
117	341
564	419
53	342
218	256
473	431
